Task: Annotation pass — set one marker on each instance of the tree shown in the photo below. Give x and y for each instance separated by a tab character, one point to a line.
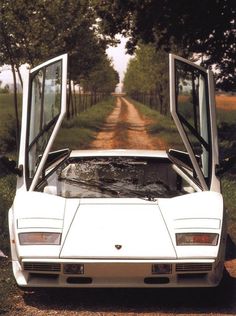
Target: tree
146	78
102	79
32	31
206	28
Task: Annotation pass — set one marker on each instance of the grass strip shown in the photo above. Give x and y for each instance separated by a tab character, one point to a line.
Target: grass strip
79	132
161	126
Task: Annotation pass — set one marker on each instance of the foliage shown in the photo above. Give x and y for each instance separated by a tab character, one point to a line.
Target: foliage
34	31
102	78
40	29
7	122
229	193
5	89
7	189
147	74
206	28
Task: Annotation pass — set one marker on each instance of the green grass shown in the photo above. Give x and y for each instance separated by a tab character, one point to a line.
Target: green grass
161	125
8	289
7	192
81	130
226	116
7	122
229	193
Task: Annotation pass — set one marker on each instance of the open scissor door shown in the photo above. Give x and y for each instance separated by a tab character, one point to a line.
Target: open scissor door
192	107
44	107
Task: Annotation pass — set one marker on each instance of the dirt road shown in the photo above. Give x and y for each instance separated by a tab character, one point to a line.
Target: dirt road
125	128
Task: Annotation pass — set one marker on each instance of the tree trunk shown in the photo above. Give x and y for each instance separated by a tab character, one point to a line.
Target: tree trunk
75	103
19	75
71	99
68	114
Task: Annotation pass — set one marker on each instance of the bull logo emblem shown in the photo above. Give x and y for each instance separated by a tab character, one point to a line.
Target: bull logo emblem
118	247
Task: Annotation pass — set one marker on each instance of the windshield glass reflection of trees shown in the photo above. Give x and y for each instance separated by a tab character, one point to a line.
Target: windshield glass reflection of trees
116	177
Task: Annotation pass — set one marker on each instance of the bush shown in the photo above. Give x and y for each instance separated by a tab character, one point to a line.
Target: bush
8	134
7	189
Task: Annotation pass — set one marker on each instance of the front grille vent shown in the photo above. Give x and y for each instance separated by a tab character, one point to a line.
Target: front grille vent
42	266
193	267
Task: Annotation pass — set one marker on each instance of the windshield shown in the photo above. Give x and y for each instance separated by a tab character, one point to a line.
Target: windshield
114	177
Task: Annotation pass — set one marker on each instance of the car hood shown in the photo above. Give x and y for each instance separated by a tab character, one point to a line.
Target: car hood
118	229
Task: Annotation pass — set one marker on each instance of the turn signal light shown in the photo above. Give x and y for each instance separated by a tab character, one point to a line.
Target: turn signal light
197	239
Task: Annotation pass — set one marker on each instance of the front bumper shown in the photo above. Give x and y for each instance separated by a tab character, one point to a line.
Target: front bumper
117	273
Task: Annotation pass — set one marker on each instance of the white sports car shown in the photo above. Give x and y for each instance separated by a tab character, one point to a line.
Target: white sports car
118	218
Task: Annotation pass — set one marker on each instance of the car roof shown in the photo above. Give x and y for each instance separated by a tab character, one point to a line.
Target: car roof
119	153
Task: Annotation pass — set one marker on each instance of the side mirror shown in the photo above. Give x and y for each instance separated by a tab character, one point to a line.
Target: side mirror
225	165
9	166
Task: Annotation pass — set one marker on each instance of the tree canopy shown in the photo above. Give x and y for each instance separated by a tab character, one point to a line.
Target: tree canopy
204	29
103	78
146	78
32	31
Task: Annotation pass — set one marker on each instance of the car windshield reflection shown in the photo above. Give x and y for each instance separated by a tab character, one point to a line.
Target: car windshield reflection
116	177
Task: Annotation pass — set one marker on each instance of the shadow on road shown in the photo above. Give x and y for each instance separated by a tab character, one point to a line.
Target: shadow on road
220	300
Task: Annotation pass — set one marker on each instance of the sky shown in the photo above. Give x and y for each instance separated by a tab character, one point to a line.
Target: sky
119	59
6	74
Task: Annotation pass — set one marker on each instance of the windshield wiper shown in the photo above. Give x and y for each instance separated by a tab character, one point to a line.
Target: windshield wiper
115	190
90	183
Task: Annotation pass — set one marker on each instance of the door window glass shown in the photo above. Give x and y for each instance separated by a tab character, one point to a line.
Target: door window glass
44	107
36	103
52	92
192	109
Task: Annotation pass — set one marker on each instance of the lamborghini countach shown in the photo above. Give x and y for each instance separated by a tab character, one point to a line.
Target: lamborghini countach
118	218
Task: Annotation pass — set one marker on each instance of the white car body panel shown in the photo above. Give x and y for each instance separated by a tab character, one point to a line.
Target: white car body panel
194	215
117	241
95	246
138	227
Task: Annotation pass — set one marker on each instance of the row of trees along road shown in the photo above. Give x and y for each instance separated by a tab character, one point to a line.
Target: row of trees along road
146	78
34	31
203	31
